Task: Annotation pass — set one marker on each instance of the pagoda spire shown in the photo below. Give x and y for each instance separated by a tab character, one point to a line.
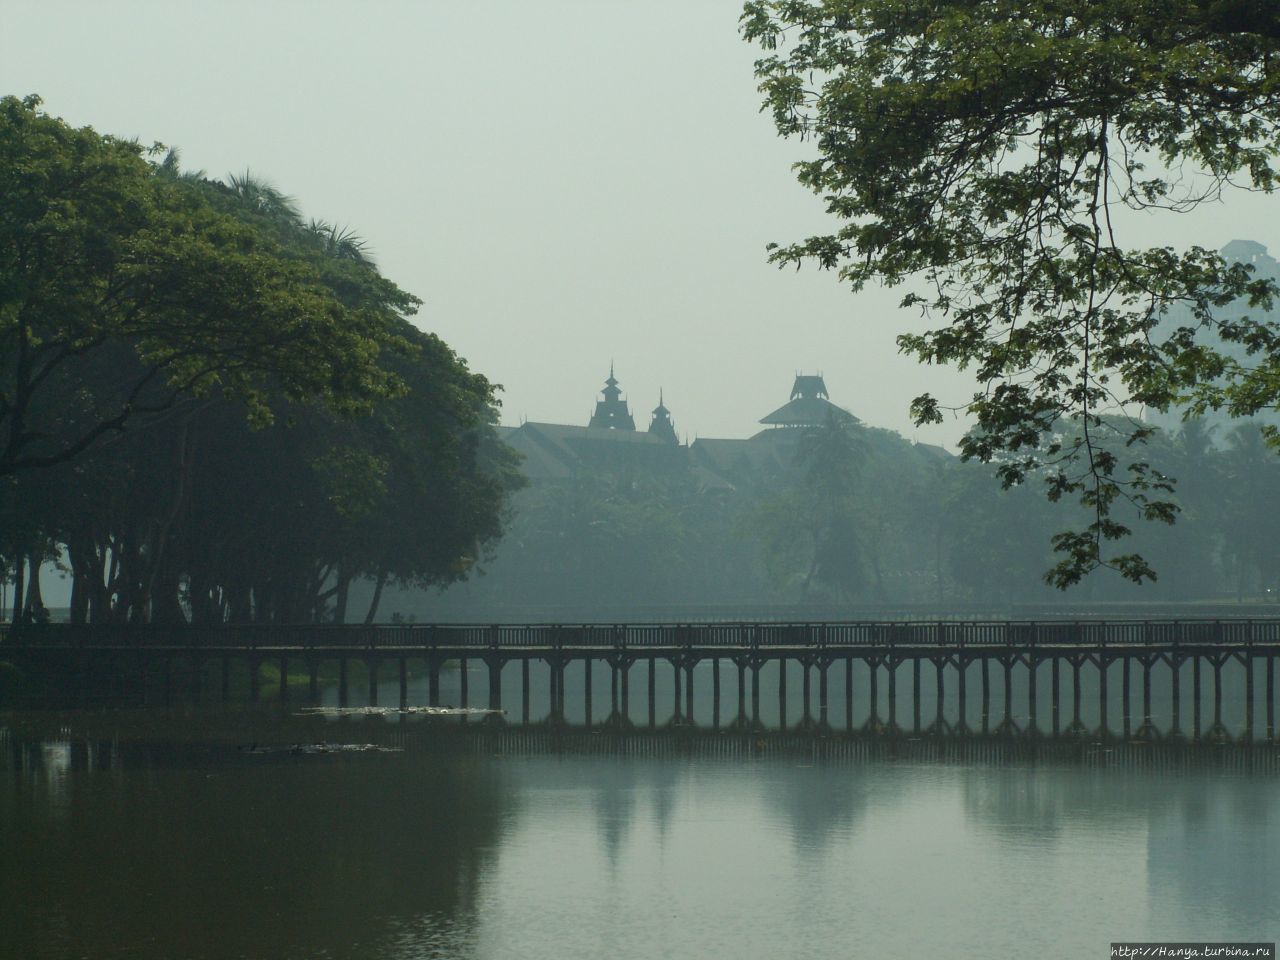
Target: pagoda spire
661	425
612	412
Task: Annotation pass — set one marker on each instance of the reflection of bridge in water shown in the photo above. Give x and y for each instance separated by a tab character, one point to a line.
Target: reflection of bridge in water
1075	660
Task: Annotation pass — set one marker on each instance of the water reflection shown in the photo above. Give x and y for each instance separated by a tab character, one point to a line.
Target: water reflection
138	836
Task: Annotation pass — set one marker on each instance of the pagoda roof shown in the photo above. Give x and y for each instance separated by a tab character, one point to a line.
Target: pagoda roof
807	411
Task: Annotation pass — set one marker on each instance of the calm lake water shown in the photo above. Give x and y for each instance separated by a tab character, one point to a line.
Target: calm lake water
147	835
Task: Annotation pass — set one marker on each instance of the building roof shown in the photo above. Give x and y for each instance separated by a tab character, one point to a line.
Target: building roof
810	411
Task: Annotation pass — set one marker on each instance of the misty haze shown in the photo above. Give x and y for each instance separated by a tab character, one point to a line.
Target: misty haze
739	479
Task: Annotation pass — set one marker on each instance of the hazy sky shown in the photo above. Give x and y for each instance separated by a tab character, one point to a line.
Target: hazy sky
563	183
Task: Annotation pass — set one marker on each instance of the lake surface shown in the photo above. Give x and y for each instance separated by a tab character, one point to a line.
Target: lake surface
147	835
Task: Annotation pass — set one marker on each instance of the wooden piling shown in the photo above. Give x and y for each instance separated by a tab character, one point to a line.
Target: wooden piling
1031	692
1007	722
495	682
962	668
940	720
822	692
464	683
524	689
807	713
873	692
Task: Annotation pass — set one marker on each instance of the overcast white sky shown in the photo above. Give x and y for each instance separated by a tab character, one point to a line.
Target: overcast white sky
563	183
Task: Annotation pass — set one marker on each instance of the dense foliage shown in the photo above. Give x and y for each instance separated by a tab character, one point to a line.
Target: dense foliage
988	153
212	409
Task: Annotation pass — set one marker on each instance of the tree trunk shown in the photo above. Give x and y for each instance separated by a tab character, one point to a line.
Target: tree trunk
377	597
35	599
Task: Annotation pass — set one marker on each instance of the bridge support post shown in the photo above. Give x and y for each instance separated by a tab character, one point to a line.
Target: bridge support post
940	720
822	691
1147	726
806	717
1271	697
915	694
1076	723
1175	678
1195	697
1055	681
848	693
371	666
755	691
1032	664
715	693
1007	722
524	689
1248	697
742	689
1124	683
1217	694
1103	665
626	690
986	692
464	683
653	692
873	693
782	693
586	691
675	676
892	666
689	664
962	669
495	681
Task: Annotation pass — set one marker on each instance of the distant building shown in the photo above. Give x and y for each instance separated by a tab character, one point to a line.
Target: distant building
610	442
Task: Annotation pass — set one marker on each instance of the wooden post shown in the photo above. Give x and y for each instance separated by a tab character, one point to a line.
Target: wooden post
848	693
1146	695
371	664
688	688
873	692
807	716
822	692
1055	694
1031	692
986	692
1217	692
653	692
613	687
1008	692
495	681
1103	665
939	666
715	692
915	694
626	690
782	692
1075	692
893	693
962	668
1175	671
675	675
742	689
1271	697
1195	697
755	691
1124	681
524	689
1248	697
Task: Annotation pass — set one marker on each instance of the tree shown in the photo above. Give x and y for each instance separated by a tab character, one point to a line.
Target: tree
985	152
126	288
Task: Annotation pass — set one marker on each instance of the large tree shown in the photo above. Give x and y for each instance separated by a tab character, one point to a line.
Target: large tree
987	154
125	289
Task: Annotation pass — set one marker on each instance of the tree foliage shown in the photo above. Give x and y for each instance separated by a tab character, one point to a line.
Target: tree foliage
990	153
110	263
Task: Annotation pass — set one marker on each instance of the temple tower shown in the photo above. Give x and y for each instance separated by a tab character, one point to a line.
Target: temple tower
611	412
661	424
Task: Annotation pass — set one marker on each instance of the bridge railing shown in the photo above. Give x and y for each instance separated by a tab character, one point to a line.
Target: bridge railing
948	634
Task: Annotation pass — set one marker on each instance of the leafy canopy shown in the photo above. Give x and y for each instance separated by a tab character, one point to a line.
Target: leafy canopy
987	151
205	287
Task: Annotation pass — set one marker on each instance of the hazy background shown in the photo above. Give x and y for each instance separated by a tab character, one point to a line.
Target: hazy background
562	183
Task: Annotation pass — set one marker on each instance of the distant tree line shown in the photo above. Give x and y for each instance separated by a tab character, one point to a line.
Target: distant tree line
212	409
863	517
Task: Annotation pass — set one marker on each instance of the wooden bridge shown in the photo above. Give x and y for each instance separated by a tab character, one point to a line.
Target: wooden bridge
1099	648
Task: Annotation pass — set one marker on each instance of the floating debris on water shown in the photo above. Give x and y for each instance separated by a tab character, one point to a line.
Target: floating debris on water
312	748
399	711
